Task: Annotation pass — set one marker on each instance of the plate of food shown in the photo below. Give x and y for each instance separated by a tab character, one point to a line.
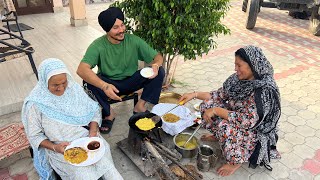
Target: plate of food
84	151
147	72
176	120
170	118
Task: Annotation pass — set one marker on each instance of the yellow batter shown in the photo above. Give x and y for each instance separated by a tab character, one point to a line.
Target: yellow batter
145	124
189	145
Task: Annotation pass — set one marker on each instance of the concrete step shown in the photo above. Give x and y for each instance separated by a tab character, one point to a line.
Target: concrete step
16	81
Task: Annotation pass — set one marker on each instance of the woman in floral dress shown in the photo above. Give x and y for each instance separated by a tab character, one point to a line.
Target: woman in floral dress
243	114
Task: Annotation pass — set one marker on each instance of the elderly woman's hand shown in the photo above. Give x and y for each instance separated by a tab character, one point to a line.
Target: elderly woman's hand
94	133
94	129
208	114
59	148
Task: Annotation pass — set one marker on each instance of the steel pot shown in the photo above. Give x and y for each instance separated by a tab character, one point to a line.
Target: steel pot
183	137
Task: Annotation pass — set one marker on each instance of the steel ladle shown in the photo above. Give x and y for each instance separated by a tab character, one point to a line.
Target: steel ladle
198	127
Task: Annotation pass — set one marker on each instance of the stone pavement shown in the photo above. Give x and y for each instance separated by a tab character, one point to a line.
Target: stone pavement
295	56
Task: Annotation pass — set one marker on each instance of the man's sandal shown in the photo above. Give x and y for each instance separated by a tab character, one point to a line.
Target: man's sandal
147	111
106	124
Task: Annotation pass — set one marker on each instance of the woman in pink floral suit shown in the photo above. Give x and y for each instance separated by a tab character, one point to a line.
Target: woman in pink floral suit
243	114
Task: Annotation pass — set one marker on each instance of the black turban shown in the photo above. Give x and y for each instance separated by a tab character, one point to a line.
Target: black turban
108	17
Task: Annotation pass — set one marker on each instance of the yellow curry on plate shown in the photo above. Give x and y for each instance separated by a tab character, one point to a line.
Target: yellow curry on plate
75	155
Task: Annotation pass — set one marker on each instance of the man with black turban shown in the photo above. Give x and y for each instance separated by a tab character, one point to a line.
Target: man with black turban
116	54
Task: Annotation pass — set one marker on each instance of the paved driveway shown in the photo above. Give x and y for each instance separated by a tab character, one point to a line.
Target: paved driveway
292	50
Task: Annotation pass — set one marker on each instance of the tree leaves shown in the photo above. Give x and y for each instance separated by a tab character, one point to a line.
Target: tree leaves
173	27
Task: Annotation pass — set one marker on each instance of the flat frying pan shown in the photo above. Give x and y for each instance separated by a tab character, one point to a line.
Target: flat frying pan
136	117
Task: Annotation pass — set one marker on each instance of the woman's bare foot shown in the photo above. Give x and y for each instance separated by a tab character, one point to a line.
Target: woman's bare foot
208	137
228	169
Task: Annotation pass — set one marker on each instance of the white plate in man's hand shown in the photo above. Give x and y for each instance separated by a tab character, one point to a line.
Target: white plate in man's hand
146	72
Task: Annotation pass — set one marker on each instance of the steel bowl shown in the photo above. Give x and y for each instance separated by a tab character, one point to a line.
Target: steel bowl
186	153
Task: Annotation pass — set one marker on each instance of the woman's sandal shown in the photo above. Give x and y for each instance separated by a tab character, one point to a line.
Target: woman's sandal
106	124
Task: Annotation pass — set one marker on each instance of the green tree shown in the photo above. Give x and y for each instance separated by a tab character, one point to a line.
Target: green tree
176	27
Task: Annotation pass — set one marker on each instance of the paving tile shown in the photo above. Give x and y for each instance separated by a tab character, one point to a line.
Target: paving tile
311	166
291	97
294	138
211	174
305	131
14	158
279	171
241	173
291	160
318	133
260	176
313	142
285	93
314	108
317	177
314	123
296	120
306	114
284	103
286	127
307	100
303	151
296	174
284	146
33	174
289	111
283	118
298	105
281	134
21	166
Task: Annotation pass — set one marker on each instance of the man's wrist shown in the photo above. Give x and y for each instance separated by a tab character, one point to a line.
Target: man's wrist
156	65
104	86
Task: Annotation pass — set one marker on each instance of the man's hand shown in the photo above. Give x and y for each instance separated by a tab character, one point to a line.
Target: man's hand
155	68
59	148
111	91
208	114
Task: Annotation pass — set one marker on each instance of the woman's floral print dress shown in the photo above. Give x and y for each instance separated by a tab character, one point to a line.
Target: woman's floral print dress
235	137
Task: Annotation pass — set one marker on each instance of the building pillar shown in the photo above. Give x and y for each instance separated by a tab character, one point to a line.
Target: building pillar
57	6
78	13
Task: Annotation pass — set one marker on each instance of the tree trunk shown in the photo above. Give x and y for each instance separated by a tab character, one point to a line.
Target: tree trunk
169	72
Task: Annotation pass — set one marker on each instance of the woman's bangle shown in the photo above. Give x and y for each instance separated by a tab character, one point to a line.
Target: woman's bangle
53	148
196	95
